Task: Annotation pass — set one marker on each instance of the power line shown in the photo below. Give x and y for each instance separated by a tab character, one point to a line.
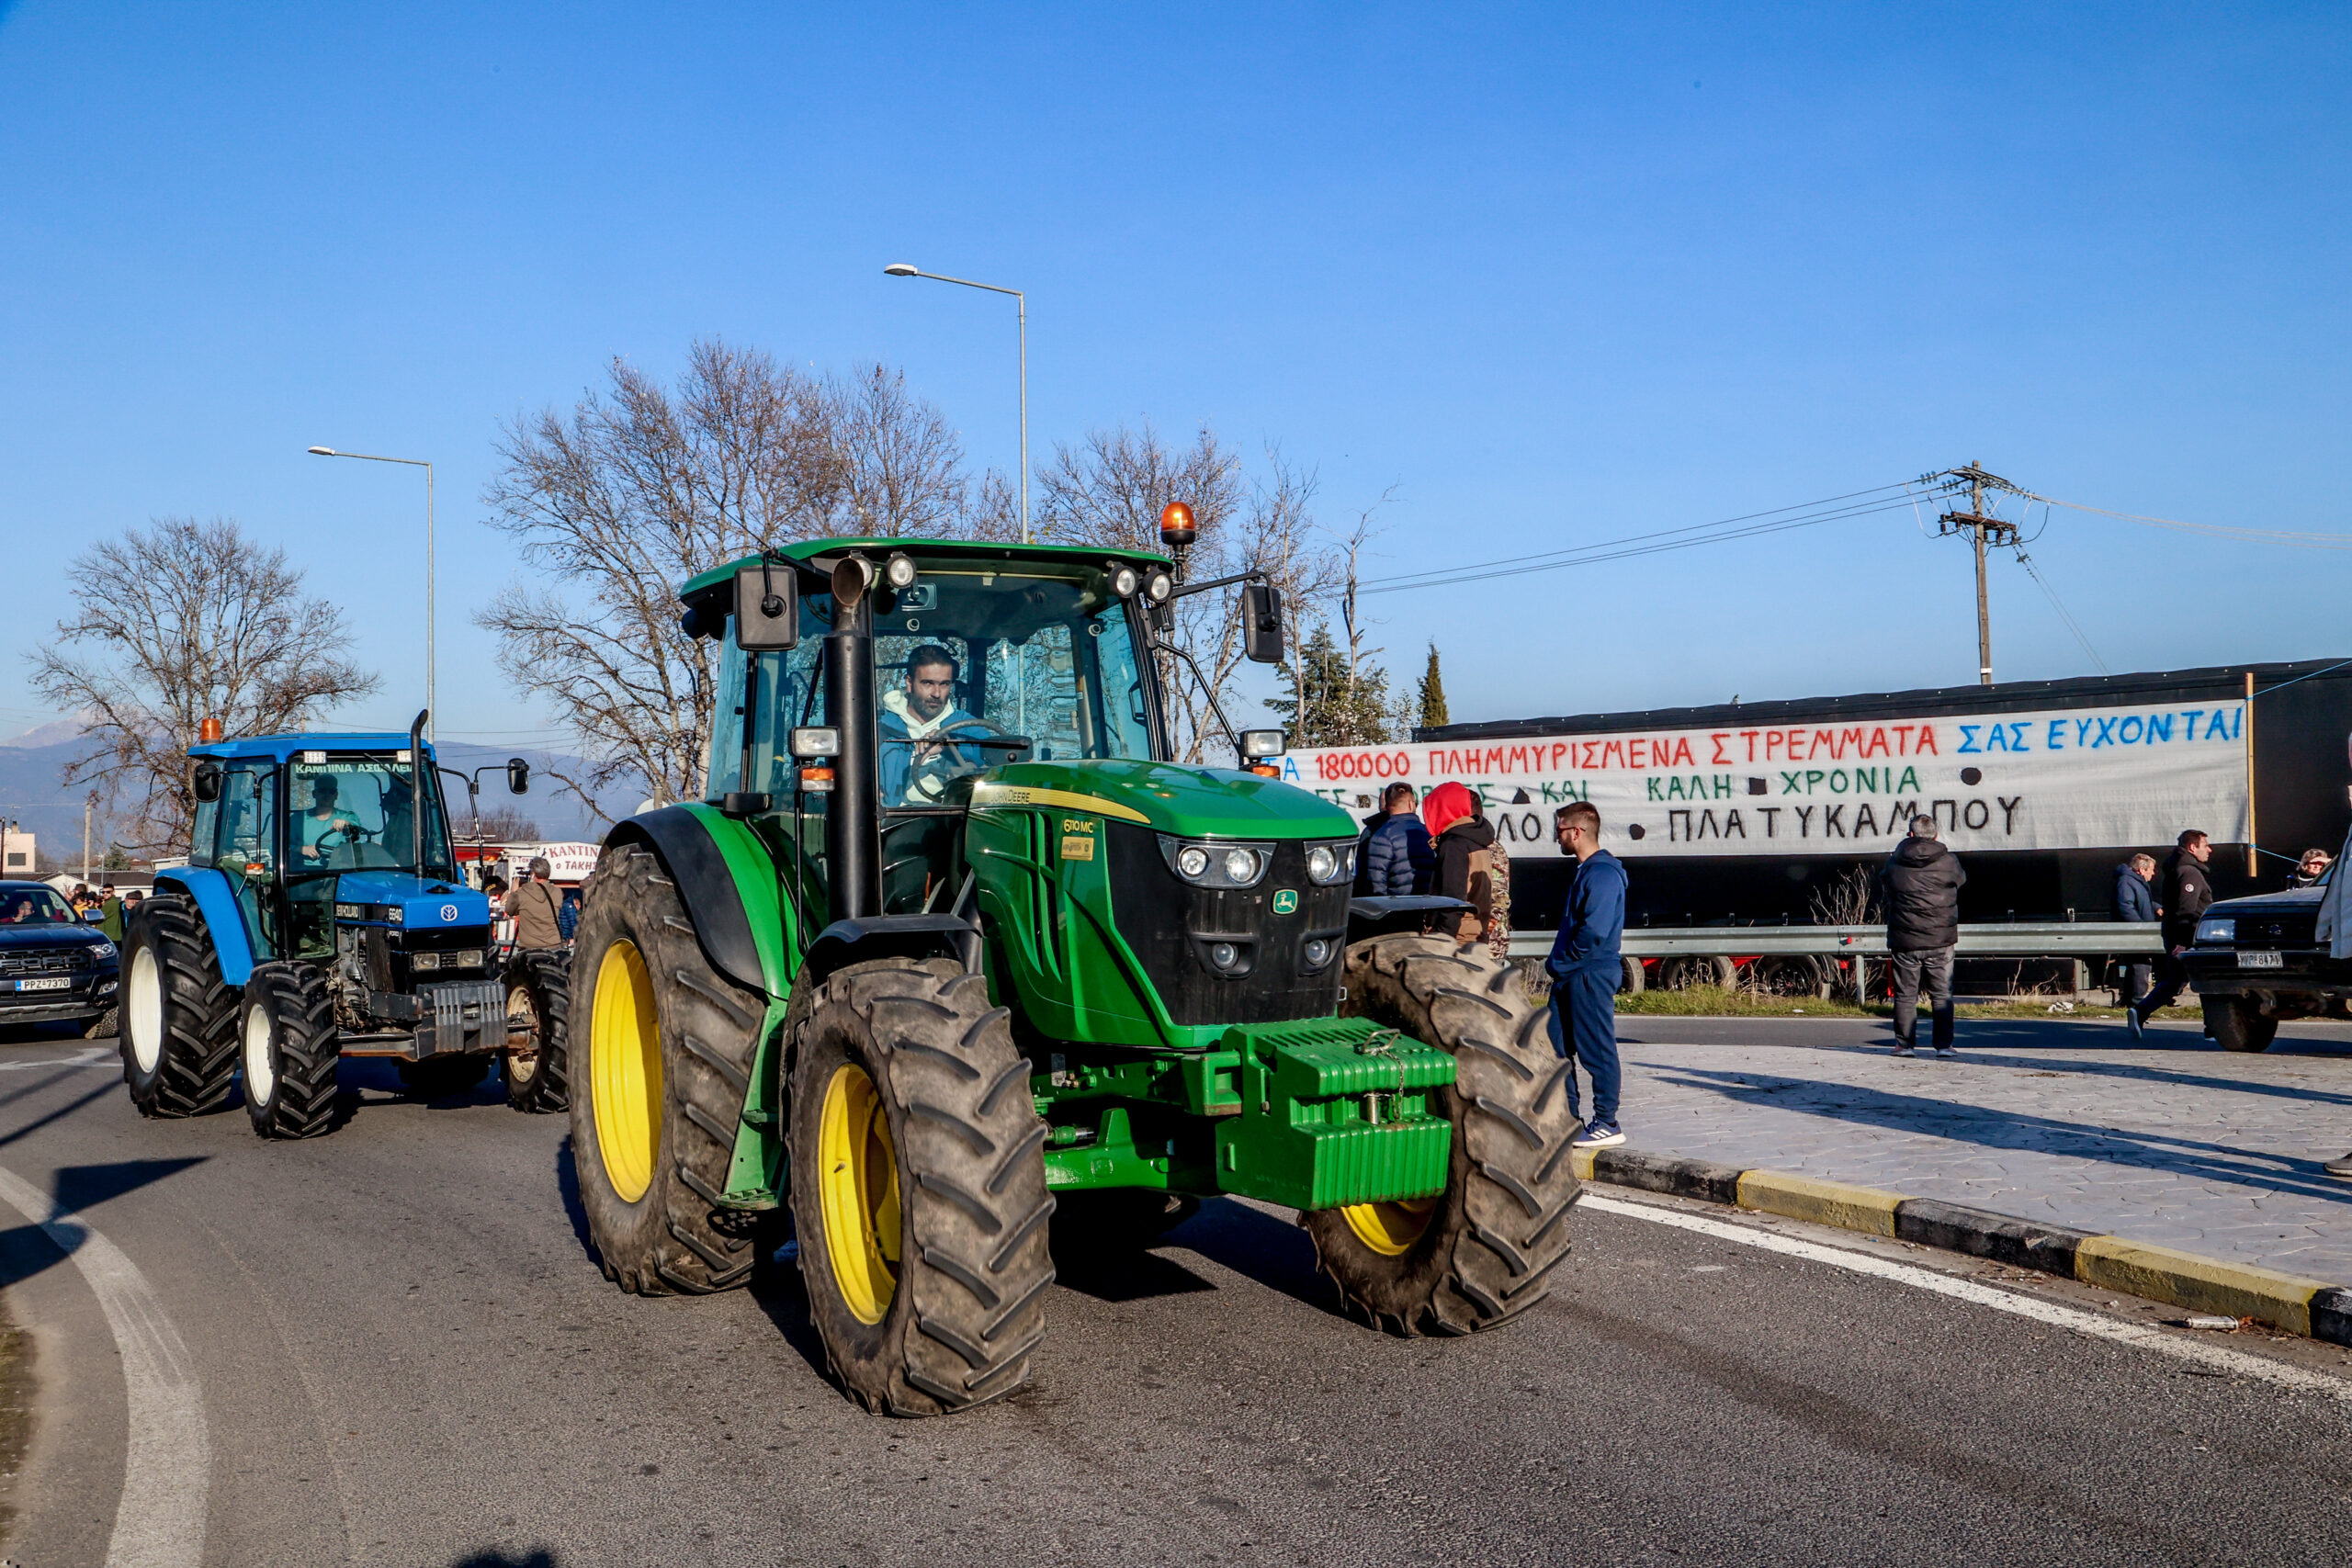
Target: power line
1874	502
2289	537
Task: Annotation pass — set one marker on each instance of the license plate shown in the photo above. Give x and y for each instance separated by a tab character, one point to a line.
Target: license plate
43	985
2259	961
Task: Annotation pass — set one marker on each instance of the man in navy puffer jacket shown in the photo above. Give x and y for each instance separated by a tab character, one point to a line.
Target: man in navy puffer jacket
1396	855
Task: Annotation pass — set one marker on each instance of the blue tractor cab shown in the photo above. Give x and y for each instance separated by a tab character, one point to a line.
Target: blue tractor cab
322	914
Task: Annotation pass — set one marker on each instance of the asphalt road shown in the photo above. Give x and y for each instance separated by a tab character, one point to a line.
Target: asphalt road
406	1355
2181	1030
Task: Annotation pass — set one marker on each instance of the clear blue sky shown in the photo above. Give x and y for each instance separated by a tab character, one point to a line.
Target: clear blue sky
1554	273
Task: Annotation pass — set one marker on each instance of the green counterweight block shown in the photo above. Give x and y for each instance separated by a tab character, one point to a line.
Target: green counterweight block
1334	1111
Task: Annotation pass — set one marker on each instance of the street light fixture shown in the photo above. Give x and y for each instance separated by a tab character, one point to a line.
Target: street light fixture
907	269
431	707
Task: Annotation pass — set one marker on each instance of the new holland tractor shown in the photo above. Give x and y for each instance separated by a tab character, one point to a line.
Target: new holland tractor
955	960
321	915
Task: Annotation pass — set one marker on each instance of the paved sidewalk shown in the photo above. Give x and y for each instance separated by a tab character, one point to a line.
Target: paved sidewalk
2172	1142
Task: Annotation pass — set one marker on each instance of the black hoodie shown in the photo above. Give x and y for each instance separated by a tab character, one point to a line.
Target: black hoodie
1920	885
1461	869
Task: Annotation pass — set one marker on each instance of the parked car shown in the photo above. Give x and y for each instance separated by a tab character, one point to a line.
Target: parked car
2256	963
53	968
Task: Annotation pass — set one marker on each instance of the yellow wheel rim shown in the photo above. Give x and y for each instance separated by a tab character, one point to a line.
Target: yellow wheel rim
624	1071
1390	1228
857	1185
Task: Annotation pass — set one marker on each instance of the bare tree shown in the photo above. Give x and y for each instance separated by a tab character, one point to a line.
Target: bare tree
183	622
499	825
1109	490
641	487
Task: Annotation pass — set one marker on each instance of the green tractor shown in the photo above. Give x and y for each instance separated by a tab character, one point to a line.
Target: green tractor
955	970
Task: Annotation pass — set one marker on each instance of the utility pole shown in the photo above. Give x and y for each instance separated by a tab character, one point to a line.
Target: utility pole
1979	528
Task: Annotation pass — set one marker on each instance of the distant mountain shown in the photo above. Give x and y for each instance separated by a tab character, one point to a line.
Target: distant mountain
32	796
56	732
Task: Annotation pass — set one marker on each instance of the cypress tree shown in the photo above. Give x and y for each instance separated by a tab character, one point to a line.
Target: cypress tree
1433	695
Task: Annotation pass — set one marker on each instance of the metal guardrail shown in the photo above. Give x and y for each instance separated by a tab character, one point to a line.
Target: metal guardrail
2021	939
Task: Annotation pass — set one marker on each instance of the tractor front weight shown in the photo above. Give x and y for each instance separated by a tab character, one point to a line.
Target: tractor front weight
1310	1113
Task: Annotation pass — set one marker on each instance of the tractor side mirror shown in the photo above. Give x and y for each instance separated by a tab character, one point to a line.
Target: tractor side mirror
1261	622
206	782
768	608
518	776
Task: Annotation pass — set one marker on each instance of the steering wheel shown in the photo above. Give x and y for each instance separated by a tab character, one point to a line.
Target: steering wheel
949	762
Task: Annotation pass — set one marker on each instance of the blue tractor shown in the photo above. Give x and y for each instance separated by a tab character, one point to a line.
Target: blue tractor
321	915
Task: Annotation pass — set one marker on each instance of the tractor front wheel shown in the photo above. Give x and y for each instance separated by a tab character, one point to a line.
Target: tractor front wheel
918	1188
1483	1250
287	1029
538	1007
656	1085
179	1027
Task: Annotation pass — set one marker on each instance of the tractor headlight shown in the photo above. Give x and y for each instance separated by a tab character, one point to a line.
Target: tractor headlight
1318	952
898	572
1124	579
2219	929
421	962
1217	865
1328	863
1158	587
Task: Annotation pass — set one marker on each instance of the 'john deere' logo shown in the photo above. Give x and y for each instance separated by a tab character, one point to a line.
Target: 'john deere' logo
1285	900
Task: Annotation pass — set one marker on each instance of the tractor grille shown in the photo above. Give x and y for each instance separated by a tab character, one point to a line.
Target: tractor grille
1170	925
58	961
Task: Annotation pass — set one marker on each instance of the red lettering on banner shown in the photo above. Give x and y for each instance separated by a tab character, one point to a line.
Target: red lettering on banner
1749	735
1927	739
1719	737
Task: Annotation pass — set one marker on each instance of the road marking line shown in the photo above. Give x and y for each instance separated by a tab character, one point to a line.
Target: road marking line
91	1056
2236	1363
159	1520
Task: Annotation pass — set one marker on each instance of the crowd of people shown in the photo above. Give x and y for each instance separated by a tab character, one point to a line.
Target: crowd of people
1441	844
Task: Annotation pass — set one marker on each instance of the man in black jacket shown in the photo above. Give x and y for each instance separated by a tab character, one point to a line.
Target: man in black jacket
2186	897
1919	886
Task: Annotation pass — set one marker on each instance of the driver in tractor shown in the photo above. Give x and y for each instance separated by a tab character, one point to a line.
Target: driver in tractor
325	821
915	766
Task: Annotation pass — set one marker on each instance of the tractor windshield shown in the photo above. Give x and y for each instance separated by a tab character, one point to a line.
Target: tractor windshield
974	668
354	811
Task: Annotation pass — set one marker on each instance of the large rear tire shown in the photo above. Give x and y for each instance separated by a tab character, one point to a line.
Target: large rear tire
1484	1250
2236	1024
288	1051
657	1086
179	1035
918	1188
538	1004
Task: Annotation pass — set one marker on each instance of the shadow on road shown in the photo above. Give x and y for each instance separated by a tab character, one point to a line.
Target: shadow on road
538	1557
1256	1246
27	1250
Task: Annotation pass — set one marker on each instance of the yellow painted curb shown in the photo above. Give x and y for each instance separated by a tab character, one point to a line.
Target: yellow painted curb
2186	1279
1581	1162
1864	1209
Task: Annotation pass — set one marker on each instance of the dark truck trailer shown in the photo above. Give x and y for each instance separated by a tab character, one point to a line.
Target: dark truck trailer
2044	787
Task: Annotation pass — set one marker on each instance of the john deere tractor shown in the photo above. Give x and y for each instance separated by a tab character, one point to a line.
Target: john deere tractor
955	961
321	915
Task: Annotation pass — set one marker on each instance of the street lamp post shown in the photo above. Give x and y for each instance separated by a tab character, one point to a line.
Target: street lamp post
431	707
905	269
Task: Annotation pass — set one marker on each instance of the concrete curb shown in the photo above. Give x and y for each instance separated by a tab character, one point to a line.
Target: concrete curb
2313	1308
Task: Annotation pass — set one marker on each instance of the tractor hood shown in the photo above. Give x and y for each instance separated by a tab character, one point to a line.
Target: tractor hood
423	905
1170	797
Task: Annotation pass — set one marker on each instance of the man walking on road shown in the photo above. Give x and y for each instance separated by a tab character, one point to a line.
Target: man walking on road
2186	897
1397	853
1585	967
2135	904
1920	885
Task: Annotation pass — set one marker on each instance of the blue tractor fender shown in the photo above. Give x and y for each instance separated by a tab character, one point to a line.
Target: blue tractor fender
209	890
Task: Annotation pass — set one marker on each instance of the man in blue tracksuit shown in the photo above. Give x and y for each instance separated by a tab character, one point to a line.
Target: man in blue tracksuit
1586	969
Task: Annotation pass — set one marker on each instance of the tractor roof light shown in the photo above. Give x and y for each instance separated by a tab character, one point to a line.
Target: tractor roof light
1176	529
898	572
1158	587
1124	580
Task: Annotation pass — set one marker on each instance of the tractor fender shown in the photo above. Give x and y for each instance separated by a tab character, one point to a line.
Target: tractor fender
864	937
208	889
1406	913
706	886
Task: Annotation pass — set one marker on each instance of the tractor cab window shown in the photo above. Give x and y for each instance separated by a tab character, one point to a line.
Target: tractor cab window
354	811
973	668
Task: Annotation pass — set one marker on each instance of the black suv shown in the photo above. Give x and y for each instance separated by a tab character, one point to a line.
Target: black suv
52	967
2256	963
